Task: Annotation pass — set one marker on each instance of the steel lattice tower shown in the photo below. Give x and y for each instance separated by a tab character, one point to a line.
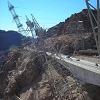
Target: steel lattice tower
38	30
16	18
30	26
95	19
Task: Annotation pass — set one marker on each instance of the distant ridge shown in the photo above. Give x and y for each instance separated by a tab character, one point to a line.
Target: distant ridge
9	38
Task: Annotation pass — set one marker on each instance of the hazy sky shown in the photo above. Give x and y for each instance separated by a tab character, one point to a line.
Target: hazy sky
47	12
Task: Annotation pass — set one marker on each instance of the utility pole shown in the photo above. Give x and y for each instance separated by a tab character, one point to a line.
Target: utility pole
96	20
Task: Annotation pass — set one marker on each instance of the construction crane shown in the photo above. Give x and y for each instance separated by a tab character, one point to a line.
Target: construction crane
95	21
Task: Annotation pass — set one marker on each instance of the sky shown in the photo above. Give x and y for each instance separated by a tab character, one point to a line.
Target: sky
47	12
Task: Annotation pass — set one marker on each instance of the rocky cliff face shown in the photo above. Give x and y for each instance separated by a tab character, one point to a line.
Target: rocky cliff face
72	35
76	24
20	69
69	43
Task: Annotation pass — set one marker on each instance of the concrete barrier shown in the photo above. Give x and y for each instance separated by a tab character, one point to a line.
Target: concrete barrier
82	74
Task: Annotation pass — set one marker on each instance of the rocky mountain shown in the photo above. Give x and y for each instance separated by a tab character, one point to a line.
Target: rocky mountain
9	38
72	35
75	24
27	73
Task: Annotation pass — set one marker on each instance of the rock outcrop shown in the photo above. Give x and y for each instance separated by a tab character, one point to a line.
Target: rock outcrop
19	70
72	35
69	43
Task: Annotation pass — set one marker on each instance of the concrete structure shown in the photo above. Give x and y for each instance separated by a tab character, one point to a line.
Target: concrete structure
85	71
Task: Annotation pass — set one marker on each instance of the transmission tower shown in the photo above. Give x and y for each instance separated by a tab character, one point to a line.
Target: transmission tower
95	21
38	30
33	27
30	26
16	18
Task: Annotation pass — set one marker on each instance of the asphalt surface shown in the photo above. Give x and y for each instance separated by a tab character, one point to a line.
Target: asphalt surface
91	66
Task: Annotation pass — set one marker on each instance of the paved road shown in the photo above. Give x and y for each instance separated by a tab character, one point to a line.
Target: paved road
84	70
80	63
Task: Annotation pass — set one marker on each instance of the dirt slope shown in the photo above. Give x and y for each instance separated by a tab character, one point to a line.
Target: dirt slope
26	76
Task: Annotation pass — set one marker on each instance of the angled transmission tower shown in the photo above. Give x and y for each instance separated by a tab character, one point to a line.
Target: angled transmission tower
38	30
95	21
33	27
30	26
16	18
